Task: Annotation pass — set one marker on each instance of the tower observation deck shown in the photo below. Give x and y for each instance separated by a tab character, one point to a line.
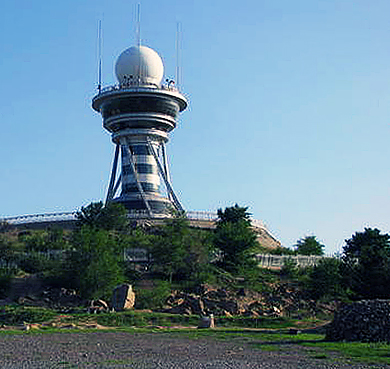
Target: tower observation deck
139	113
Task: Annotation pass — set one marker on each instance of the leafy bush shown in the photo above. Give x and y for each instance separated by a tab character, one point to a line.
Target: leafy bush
35	262
11	315
152	298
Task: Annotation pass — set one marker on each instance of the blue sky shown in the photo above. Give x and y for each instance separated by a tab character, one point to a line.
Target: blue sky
288	115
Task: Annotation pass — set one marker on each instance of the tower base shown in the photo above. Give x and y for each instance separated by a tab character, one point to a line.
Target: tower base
159	206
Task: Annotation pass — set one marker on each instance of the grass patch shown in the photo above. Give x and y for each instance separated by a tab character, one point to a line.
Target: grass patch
16	315
271	348
320	356
261	322
142	319
370	353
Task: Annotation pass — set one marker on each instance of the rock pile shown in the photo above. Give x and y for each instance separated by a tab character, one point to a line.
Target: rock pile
365	321
282	300
54	298
68	300
216	302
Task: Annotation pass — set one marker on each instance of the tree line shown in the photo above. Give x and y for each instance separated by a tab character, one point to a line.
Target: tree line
90	258
360	272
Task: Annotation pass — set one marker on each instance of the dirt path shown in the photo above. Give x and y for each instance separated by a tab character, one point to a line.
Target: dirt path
148	350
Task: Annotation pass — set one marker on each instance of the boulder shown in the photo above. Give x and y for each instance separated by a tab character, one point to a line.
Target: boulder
123	297
207	322
97	306
196	304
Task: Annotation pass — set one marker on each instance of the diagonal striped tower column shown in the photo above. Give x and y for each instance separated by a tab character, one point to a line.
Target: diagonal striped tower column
145	167
140	175
140	112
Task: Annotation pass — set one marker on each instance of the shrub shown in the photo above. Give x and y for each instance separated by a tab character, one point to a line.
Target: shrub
11	315
35	262
152	298
289	268
325	280
6	274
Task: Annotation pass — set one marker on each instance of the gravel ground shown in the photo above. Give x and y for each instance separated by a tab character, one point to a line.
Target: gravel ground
143	350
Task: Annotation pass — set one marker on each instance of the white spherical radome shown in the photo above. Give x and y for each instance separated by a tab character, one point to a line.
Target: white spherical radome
139	64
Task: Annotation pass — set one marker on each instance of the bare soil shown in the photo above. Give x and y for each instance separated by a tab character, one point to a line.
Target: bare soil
104	349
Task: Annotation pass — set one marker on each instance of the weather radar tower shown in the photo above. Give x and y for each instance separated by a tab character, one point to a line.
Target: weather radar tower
139	112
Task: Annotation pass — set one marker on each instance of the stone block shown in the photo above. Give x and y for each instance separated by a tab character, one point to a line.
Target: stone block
123	297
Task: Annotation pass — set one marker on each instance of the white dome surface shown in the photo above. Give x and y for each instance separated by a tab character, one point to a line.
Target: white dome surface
139	64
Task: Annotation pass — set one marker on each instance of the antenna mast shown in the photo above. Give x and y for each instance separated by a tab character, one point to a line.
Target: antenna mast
138	30
100	40
178	54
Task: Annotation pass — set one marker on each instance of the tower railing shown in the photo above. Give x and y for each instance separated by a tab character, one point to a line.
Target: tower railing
133	86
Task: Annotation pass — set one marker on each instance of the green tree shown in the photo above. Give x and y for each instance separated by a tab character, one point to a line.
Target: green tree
95	264
289	269
309	246
325	280
281	250
234	214
8	248
235	239
366	264
112	216
137	240
182	253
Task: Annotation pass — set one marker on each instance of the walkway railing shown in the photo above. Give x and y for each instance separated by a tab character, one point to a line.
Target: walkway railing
40	218
277	261
139	214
